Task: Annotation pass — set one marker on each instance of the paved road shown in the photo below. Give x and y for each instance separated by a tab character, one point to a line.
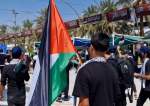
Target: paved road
70	103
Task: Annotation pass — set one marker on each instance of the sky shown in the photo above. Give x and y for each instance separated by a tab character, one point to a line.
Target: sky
28	9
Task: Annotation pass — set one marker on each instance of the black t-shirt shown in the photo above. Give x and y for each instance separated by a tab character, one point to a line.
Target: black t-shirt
147	72
16	85
99	82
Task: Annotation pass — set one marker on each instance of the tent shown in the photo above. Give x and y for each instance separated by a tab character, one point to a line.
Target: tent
120	39
81	42
4	47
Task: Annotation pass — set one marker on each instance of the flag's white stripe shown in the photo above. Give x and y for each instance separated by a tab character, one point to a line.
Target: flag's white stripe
53	59
34	79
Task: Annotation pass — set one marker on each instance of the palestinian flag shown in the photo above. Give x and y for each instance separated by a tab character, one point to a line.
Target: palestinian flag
49	77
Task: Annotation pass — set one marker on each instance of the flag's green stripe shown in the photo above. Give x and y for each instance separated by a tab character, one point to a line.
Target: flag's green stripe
58	75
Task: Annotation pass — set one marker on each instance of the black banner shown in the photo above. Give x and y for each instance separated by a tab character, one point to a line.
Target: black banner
123	14
72	24
91	19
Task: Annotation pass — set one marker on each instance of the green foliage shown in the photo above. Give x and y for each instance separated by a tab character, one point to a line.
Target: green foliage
106	6
125	3
15	28
27	24
90	11
3	29
41	19
103	26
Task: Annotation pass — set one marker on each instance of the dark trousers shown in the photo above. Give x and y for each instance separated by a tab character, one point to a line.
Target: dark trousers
144	95
14	104
1	69
122	99
122	102
67	87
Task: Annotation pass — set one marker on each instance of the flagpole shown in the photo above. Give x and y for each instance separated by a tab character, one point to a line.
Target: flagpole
49	72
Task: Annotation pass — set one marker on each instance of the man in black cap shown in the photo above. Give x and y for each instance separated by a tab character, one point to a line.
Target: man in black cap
14	75
144	76
97	82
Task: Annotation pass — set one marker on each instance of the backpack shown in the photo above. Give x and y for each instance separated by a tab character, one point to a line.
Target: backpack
126	71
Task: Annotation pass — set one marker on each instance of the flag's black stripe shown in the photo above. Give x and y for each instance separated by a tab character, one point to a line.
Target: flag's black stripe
40	95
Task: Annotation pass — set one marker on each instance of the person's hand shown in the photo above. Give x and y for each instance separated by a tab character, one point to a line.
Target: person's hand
136	75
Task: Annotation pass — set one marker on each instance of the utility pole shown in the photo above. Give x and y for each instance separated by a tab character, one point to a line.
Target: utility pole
15	22
15	16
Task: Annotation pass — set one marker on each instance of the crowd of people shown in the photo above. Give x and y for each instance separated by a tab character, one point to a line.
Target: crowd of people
106	78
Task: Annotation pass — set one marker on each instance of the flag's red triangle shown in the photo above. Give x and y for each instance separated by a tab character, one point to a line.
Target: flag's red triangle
60	41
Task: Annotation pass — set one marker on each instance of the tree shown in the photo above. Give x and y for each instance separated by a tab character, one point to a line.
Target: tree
85	30
106	6
90	11
124	27
103	26
3	29
15	28
27	24
40	21
125	3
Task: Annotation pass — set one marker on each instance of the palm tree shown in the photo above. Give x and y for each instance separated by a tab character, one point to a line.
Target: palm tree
91	10
27	24
15	29
103	26
106	6
109	27
125	3
3	29
41	19
124	27
87	29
